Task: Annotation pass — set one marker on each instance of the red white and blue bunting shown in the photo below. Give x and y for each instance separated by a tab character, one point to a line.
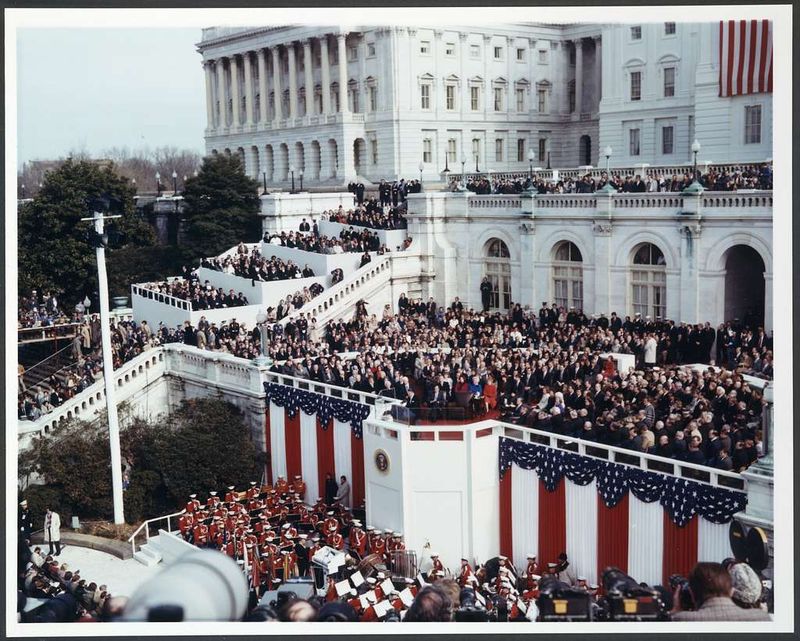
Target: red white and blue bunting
681	498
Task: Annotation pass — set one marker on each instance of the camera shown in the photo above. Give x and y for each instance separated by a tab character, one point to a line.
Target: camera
685	596
559	601
627	600
392	616
470	611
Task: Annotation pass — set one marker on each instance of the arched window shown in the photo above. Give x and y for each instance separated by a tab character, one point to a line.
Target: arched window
498	269
568	276
649	282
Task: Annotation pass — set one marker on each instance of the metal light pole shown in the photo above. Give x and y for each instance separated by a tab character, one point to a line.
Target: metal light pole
263	360
174	183
530	165
420	167
185	178
291	170
23	190
608	187
108	372
477	171
300	173
264	174
695	150
158	184
463	162
133	184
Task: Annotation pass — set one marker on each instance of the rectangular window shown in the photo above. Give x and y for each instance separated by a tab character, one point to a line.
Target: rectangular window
498	53
450	97
669	82
669	28
424	47
541	96
374	149
450	49
636	33
427	150
498	99
520	150
667	140
373	98
520	95
752	125
520	54
633	149
476	149
354	100
352	53
542	155
425	96
451	151
498	150
636	85
572	56
370	49
542	56
475	98
571	96
475	51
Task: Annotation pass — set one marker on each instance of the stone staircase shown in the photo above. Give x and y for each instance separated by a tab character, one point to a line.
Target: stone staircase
150	553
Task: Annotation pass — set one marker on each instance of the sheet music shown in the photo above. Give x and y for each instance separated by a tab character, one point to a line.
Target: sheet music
356	579
387	586
407	597
342	587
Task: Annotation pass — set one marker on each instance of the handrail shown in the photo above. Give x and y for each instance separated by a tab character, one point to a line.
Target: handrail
41	333
146	526
33	368
159	297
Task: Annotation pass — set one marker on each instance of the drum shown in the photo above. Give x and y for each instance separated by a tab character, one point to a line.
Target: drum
371	564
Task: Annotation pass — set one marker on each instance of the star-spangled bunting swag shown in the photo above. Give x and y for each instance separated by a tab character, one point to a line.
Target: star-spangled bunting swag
680	497
325	407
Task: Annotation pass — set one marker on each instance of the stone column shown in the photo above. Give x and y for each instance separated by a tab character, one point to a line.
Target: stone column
262	85
598	69
276	82
488	97
222	95
290	53
341	41
235	107
208	65
578	77
248	89
325	74
463	52
309	77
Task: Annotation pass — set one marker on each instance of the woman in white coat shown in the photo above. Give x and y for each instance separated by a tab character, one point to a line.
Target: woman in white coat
52	530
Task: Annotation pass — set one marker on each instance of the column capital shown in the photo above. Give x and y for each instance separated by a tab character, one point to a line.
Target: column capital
487	39
306	42
463	36
597	38
438	33
341	35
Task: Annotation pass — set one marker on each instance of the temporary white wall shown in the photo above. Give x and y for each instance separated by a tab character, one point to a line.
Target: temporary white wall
392	238
322	264
266	294
284	212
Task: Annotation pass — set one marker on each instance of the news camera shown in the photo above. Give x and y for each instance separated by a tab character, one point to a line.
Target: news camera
627	600
559	601
470	610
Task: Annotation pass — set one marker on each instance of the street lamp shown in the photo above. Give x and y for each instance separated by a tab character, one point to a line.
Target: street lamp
463	162
291	170
174	183
531	156
23	190
263	359
300	173
695	187
264	174
87	303
158	184
608	188
421	166
477	171
133	184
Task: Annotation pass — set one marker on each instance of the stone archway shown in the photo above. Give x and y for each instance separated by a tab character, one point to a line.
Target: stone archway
282	166
745	288
333	154
269	163
315	166
585	150
359	155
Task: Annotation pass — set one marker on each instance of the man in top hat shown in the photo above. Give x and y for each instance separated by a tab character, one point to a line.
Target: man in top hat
193	504
24	522
564	571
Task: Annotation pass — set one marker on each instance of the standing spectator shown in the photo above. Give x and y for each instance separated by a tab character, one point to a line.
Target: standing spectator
331	489
24	522
52	530
711	587
343	493
486	293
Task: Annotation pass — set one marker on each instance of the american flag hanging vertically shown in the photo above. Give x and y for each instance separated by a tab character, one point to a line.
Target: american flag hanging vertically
745	57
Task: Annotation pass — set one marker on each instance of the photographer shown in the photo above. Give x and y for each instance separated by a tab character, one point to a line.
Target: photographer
711	587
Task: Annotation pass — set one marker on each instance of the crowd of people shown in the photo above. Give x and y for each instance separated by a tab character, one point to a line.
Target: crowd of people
348	241
41	310
389	193
249	263
372	215
202	296
739	178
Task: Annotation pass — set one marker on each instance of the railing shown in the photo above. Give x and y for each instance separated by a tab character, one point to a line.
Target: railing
327	300
146	528
366	398
167	299
559	201
657	199
51	332
730	199
33	375
487	201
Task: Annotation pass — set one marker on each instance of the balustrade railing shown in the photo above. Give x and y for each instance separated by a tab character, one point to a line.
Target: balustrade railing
167	299
145	528
51	332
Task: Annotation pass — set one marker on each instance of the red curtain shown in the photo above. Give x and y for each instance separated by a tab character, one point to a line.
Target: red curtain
680	547
268	445
506	522
294	464
357	461
325	461
552	523
612	535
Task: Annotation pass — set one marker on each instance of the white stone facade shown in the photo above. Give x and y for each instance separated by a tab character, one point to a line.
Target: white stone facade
488	94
